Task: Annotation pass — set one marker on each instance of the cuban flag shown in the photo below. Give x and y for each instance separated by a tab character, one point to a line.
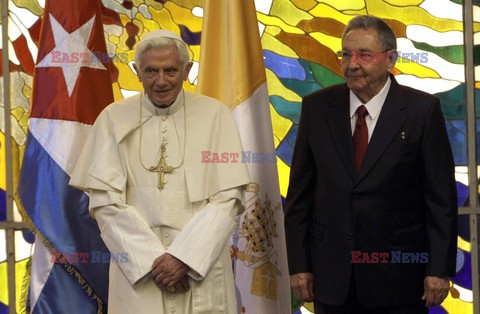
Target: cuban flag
71	86
232	70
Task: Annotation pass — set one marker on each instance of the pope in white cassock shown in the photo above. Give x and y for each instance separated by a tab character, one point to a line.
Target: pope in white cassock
154	198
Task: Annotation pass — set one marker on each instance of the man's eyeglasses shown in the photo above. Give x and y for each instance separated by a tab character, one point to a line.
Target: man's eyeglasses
363	56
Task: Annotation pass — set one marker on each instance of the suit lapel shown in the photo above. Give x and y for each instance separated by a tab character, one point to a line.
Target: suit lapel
340	128
389	122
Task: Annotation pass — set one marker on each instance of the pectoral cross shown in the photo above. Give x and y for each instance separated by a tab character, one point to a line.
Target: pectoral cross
162	168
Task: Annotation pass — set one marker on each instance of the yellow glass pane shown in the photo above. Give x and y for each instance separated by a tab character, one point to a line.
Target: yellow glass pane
184	16
20	273
269	42
345	5
283	176
288	12
3	283
323	10
305	4
164	18
332	42
275	21
280	126
404	3
411	15
275	87
3	167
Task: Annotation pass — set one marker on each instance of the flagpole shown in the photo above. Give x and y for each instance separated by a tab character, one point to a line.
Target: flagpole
8	161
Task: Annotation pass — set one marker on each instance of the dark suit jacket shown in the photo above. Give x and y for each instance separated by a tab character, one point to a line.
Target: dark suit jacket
403	199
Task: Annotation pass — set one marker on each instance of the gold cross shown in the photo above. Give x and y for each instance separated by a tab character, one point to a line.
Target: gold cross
162	168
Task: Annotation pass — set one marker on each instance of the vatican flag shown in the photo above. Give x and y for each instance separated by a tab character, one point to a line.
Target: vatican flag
232	71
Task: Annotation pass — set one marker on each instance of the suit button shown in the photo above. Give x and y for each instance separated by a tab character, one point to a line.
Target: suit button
356	198
350	236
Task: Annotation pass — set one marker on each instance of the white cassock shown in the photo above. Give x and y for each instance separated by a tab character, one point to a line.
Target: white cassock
191	218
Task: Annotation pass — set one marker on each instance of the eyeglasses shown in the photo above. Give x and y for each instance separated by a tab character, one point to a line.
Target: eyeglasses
363	56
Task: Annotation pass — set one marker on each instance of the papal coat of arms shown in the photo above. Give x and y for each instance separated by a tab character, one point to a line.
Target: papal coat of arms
258	227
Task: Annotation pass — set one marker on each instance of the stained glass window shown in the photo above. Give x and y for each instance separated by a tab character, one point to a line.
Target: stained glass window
300	39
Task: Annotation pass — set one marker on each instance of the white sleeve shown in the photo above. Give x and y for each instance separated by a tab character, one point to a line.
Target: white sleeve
203	238
124	231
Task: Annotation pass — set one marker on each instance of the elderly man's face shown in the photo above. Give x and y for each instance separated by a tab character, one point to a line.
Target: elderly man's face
162	74
365	79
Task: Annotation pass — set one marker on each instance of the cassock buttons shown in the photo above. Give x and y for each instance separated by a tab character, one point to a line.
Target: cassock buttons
172	310
349	236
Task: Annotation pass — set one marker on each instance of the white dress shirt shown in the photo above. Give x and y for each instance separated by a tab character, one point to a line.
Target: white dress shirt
374	106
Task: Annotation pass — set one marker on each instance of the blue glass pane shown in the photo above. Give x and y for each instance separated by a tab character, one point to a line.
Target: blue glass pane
477	100
287	109
456	130
462	192
302	88
463	277
3	308
308	70
28	236
437	310
190	37
3	205
284	67
453	102
285	149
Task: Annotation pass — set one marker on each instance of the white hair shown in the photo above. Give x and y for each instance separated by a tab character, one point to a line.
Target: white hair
161	42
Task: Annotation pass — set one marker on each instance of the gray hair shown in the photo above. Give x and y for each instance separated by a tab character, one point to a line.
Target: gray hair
385	33
161	42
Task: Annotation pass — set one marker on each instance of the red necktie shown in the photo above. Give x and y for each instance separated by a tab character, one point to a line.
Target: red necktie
360	137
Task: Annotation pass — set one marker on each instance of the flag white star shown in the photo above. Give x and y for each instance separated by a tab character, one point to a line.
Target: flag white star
68	52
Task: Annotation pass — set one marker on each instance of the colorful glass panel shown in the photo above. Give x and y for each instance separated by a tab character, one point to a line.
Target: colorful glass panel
300	40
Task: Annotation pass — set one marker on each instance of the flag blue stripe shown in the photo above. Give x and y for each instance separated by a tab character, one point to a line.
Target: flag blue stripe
60	213
62	294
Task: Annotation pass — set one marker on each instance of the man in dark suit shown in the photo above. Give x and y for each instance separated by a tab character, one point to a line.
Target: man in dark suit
371	210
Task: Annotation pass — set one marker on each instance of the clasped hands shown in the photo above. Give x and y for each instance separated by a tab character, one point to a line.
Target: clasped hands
170	274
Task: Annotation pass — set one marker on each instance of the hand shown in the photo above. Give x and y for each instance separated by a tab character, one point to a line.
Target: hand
168	271
436	290
302	284
182	286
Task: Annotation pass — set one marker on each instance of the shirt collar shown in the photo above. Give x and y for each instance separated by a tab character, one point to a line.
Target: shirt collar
151	108
374	106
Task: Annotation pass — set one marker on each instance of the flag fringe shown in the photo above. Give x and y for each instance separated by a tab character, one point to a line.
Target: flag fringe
24	306
68	267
